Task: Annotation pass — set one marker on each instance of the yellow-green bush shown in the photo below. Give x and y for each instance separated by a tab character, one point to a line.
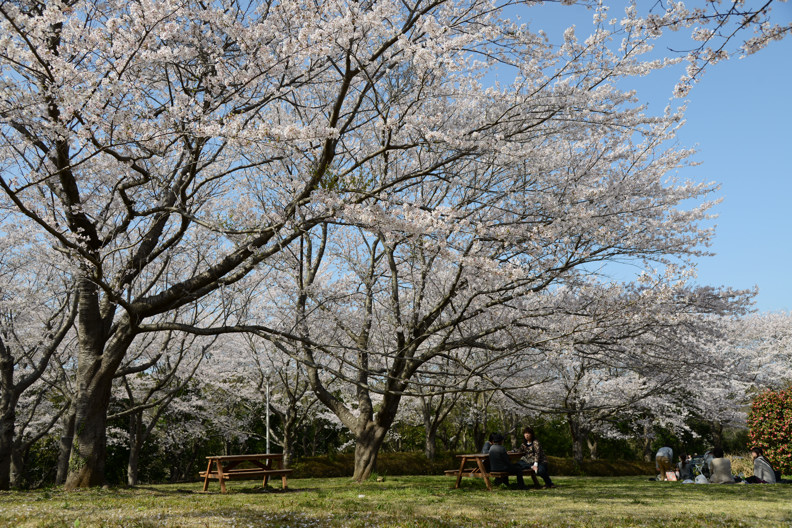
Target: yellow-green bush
741	463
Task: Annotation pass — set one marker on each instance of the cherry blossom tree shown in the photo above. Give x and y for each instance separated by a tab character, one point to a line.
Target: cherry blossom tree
282	383
391	285
37	312
159	367
761	345
620	351
436	401
169	149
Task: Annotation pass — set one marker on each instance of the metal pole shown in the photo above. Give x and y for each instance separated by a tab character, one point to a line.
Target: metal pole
268	416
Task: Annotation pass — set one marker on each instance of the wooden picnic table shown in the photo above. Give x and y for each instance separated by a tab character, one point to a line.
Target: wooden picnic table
228	467
473	465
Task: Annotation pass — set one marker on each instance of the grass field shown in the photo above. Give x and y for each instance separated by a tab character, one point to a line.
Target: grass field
414	501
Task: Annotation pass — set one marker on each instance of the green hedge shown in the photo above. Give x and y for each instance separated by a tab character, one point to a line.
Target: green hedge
600	468
343	465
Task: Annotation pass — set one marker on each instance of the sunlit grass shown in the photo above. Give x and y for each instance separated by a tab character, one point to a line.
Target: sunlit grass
405	501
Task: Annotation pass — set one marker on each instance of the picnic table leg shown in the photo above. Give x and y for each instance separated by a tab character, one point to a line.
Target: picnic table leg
221	476
283	482
484	473
461	469
206	479
535	480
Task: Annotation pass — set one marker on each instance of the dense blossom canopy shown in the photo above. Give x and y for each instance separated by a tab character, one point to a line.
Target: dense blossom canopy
344	180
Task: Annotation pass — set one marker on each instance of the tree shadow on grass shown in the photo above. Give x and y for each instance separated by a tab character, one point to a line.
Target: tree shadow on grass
258	490
160	491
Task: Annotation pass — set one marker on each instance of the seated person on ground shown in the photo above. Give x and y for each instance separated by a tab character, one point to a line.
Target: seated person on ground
720	468
534	458
499	460
685	467
763	470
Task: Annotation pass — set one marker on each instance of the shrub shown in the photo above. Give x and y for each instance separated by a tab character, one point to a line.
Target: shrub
741	463
343	465
770	424
600	468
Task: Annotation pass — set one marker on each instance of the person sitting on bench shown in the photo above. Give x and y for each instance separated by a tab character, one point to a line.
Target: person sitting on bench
534	458
499	460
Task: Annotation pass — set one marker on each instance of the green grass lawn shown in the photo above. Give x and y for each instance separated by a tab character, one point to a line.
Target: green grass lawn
415	501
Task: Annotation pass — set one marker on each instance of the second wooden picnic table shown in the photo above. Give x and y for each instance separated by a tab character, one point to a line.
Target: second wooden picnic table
228	467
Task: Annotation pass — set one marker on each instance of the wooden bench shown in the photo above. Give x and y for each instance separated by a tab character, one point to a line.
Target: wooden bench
226	467
479	470
476	473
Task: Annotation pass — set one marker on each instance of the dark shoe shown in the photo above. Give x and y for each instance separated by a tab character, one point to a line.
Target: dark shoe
548	486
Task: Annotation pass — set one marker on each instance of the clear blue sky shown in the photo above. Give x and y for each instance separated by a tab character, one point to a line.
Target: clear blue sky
739	118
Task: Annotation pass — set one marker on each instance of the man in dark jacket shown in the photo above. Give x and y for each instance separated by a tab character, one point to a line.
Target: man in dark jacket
499	460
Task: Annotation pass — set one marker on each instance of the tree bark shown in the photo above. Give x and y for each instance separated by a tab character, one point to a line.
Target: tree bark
65	448
7	420
133	464
430	442
135	445
288	441
17	466
8	402
87	461
433	415
99	356
367	448
647	443
579	436
717	434
479	434
6	445
592	444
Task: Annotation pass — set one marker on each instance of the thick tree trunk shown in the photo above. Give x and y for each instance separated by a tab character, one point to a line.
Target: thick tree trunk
479	434
430	443
367	448
717	434
8	403
579	435
18	466
133	463
87	462
577	450
647	443
430	432
7	420
100	353
136	440
65	447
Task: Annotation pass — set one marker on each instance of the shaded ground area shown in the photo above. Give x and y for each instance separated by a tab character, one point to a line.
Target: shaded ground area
406	502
